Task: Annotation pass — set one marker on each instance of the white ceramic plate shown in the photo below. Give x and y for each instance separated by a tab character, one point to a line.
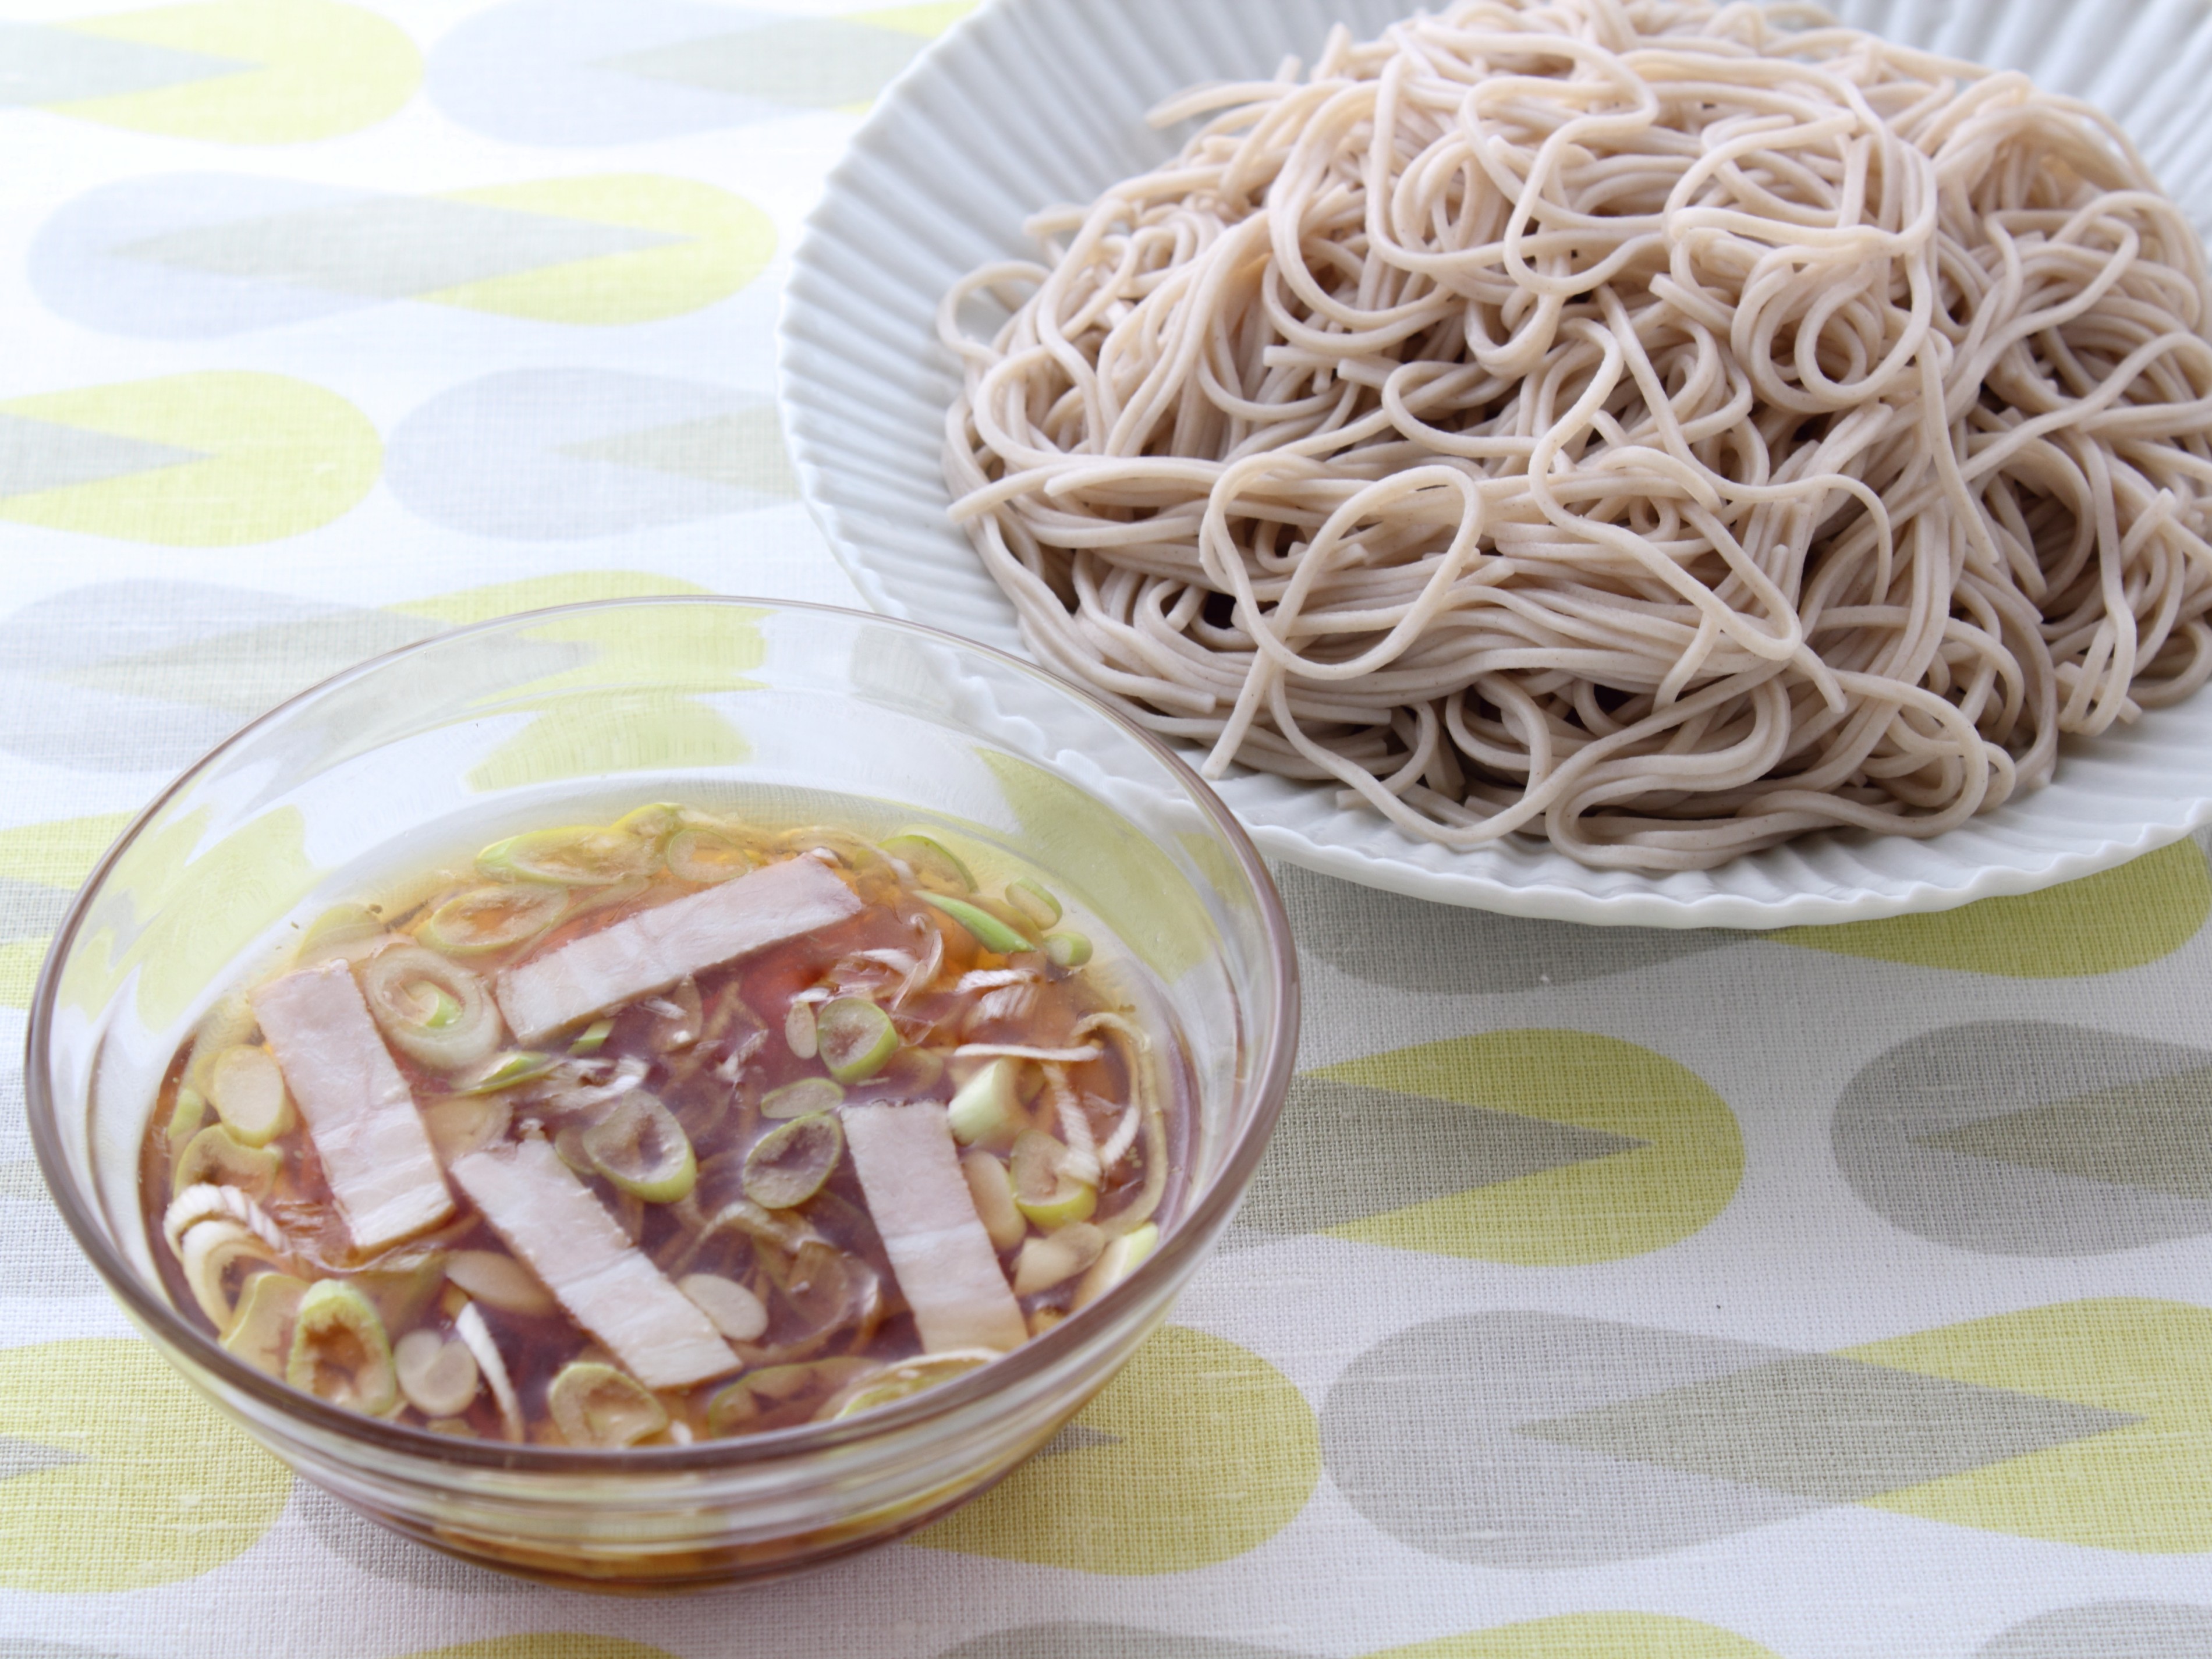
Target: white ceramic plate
1029	102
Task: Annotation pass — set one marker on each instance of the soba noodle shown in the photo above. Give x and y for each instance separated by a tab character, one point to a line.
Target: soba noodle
1662	427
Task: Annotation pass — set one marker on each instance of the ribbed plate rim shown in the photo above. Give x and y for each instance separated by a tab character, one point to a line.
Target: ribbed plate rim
880	528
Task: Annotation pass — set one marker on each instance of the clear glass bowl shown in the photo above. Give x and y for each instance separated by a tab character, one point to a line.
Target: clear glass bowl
784	710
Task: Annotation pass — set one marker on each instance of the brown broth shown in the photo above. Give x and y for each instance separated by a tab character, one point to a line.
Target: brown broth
712	1050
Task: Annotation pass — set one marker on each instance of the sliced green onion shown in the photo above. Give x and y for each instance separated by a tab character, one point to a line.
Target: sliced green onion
505	1071
1121	1258
339	1351
441	1007
486	919
613	895
1034	1167
249	1093
914	1071
438	1377
569	1144
825	1286
391	983
989	932
469	1325
1006	912
987	1109
784	1233
261	1335
906	1378
1043	1191
652	822
855	1038
1066	949
809	1094
733	1310
185	1117
578	856
400	1295
341	922
596	1405
800	1034
216	1155
965	1068
642	1148
842	845
934	868
703	856
500	1281
592	1038
216	1255
229	1022
787	1166
466	1123
343	930
1034	902
1071	1200
1057	1257
778	1396
993	1196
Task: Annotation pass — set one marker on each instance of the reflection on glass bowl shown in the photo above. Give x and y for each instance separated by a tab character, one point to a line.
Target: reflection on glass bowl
793	712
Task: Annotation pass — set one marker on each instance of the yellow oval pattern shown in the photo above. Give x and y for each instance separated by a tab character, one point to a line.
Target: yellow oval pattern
1681	1176
722	242
1197	1452
547	1644
309	69
256	458
2140	1488
1590	1636
58	854
144	1483
2100	924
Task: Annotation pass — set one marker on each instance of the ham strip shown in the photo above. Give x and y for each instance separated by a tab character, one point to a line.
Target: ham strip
558	1229
655	948
920	1200
359	1112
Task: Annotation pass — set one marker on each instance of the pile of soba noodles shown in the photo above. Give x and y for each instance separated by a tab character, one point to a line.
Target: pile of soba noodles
1660	427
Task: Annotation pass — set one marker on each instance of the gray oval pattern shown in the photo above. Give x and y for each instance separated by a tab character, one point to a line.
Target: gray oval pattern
582	453
2110	1630
42	1254
1441	950
584	72
2017	1137
1093	1641
1411	1149
193	256
1537	1440
147	676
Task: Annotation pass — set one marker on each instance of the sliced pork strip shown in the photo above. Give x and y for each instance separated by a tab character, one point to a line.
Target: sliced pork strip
911	1173
558	1228
655	948
375	1152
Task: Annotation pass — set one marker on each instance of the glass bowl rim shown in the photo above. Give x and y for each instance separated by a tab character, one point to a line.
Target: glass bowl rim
153	1313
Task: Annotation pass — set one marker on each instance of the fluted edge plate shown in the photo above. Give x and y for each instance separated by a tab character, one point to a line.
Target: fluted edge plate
1030	102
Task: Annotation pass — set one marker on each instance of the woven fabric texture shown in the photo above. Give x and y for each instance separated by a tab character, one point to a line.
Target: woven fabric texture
1839	1294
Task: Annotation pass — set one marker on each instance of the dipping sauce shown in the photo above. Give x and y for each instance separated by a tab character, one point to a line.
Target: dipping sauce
664	1129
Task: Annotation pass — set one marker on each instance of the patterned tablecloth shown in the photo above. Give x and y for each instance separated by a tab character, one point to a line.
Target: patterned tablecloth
1621	1294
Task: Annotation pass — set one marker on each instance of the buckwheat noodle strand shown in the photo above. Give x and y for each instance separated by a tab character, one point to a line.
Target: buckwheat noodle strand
1660	426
